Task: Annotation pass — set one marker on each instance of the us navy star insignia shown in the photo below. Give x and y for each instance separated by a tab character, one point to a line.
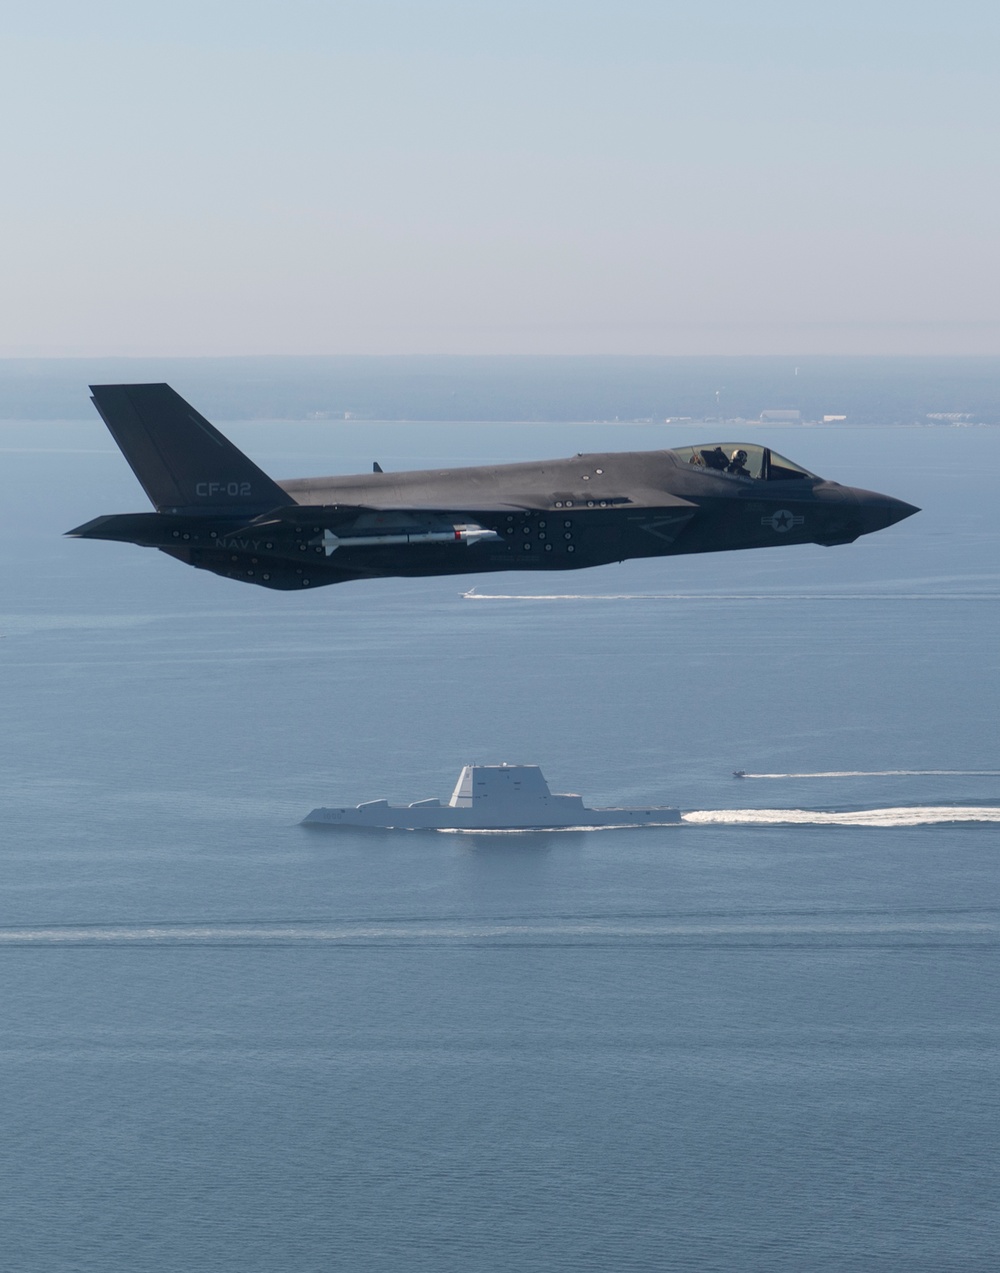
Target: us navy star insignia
782	520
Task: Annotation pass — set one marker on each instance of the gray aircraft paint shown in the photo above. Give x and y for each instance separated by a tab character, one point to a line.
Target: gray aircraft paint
216	510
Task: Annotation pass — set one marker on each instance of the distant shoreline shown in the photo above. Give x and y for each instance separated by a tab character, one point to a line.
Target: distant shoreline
721	391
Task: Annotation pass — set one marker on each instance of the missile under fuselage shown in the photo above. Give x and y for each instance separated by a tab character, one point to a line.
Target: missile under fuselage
454	535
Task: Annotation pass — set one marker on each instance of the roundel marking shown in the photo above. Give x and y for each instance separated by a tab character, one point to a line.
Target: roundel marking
782	520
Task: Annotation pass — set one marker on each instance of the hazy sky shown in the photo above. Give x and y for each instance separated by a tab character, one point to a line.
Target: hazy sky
479	176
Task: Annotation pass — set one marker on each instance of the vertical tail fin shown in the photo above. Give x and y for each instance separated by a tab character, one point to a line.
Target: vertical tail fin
182	461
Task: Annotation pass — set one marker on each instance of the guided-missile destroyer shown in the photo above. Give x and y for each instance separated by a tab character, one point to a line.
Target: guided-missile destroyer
493	798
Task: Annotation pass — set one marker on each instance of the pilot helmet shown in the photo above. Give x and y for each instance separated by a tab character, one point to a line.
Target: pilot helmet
739	456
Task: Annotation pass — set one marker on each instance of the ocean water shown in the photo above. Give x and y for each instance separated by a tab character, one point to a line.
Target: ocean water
765	1039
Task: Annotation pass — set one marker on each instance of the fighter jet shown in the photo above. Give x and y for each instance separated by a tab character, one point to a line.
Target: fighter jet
216	510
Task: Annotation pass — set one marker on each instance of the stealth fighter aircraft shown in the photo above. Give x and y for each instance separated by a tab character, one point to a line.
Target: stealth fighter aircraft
215	509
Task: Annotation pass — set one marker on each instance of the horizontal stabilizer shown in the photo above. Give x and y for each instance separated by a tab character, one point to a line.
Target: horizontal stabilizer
152	529
182	461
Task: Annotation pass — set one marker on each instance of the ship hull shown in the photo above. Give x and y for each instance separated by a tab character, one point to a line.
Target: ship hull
446	819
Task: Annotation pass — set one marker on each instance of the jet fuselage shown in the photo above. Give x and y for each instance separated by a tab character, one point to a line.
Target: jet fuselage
218	511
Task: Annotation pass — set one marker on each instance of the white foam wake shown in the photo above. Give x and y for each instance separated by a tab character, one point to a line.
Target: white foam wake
757	928
902	816
887	773
473	595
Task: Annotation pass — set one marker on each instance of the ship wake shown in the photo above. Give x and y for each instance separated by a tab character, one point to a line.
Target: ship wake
473	594
885	773
899	816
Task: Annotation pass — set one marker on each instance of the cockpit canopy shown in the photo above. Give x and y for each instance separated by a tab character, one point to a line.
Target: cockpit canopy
743	459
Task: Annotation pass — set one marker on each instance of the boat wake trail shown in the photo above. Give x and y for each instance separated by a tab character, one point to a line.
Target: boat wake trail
887	773
473	595
981	927
904	816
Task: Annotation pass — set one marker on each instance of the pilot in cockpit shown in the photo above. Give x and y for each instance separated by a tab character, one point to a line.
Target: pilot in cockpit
738	463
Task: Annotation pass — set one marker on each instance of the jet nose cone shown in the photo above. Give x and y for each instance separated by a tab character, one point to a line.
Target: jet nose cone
899	509
879	511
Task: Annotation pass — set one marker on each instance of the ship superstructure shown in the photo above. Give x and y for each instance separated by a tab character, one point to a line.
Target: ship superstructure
492	798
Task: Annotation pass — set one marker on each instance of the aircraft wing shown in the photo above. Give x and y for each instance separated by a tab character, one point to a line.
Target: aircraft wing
292	529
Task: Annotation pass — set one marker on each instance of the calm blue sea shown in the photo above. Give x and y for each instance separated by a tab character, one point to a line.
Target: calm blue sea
232	1045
